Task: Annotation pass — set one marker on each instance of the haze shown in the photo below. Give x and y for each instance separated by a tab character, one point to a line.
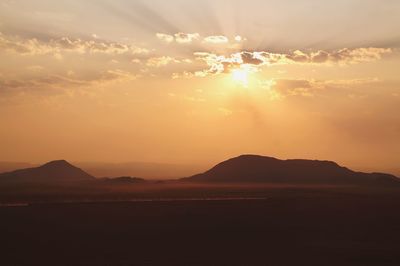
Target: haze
195	82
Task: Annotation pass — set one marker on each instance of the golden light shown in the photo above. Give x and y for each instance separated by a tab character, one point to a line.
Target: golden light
241	76
238	38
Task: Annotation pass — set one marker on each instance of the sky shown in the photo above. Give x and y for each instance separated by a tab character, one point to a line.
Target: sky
185	81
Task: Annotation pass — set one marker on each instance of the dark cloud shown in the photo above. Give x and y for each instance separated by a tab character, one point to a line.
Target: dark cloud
249	58
224	64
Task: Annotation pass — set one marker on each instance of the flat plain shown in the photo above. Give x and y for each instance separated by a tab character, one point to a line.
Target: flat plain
274	225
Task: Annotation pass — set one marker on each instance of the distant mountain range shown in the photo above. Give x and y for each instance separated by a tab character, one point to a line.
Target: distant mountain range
242	169
146	170
60	172
123	180
254	168
55	171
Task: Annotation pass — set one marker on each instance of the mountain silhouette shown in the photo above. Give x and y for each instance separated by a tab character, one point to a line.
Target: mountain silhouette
54	171
254	168
123	180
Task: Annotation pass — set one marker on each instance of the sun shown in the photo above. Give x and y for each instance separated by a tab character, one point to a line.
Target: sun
241	76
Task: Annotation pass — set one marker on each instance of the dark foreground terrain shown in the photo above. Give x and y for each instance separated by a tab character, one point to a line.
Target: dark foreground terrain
291	226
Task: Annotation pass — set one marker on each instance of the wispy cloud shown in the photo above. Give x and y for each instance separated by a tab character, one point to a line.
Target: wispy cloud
220	39
65	81
185	38
224	64
161	61
283	88
165	37
188	38
180	37
65	44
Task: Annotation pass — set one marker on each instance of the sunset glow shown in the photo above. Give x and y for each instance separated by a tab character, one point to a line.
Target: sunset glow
241	76
200	132
200	81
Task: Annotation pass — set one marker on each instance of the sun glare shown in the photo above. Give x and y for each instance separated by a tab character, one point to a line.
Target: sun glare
241	76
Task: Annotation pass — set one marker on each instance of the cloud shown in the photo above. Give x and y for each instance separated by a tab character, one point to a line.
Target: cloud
297	87
188	74
185	38
116	75
136	61
180	37
345	83
165	37
161	61
24	47
81	46
216	39
358	55
7	85
283	88
65	81
225	64
319	57
253	60
342	56
239	38
65	44
188	38
219	63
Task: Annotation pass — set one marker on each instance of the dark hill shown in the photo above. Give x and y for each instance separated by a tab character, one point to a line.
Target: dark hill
54	171
123	180
253	168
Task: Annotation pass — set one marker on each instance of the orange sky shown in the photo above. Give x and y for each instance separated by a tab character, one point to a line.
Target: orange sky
200	81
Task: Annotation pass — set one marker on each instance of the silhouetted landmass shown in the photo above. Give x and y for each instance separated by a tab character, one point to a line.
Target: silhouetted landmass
123	180
146	170
242	169
215	221
253	168
12	166
55	171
